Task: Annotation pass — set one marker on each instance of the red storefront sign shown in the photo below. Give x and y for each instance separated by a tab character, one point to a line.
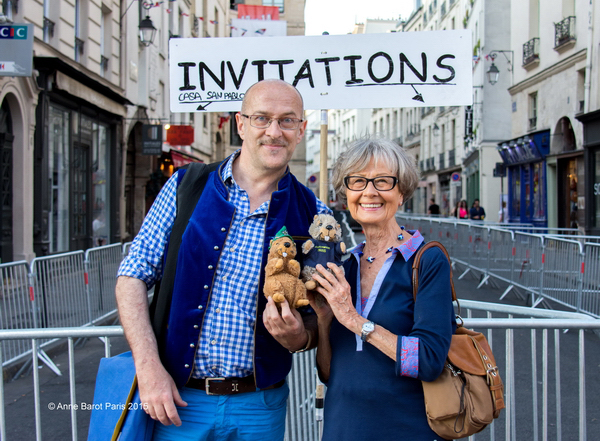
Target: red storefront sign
180	135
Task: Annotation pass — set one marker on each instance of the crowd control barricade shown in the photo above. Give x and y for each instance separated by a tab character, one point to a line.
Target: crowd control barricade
590	290
301	424
16	307
59	290
101	265
542	366
563	271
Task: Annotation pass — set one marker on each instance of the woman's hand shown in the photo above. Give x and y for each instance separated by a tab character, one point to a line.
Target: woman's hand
336	291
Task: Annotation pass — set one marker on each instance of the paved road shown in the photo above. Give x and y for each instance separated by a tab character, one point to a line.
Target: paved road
56	424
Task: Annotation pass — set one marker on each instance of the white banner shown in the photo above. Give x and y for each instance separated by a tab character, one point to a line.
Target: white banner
402	69
242	27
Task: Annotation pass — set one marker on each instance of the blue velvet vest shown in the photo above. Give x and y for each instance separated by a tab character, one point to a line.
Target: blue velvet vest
293	206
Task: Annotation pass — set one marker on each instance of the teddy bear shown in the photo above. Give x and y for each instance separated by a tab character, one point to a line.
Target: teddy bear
324	246
282	271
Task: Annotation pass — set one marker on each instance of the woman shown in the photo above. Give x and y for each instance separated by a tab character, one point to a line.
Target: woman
462	210
373	352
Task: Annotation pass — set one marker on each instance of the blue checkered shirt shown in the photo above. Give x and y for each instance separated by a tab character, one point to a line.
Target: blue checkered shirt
226	341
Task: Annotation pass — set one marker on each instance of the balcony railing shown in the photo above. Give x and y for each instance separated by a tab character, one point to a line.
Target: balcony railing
48	27
79	44
531	51
564	31
451	158
532	123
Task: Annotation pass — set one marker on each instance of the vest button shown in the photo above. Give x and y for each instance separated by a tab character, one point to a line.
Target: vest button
199	306
205	286
210	267
187	366
195	326
192	345
223	229
216	248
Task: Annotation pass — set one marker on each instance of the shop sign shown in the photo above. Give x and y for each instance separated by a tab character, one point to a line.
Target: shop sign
16	50
151	139
180	135
398	69
468	122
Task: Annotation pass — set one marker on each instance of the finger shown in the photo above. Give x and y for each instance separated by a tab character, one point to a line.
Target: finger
323	283
286	312
172	415
177	398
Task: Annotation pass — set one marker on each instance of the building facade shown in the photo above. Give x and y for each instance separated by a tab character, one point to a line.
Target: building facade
554	87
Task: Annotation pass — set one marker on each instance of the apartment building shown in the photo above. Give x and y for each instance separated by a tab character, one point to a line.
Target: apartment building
550	155
76	169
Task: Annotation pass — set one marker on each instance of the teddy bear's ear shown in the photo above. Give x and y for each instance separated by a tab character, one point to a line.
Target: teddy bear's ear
316	216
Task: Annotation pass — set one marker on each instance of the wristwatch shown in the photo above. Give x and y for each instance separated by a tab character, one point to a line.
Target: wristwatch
367	328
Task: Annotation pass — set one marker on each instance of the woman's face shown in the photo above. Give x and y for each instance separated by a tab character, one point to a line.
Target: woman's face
371	206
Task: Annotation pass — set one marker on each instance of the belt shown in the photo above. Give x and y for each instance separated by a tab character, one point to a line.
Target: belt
228	386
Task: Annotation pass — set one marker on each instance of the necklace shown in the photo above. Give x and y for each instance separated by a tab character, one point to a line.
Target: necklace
370	259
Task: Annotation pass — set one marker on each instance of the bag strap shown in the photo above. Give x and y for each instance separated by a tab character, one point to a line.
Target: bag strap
189	190
416	266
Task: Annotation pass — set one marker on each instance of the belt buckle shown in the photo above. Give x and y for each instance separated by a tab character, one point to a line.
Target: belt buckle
207	384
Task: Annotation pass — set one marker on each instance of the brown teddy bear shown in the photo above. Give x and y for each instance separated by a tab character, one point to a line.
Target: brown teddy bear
325	246
282	271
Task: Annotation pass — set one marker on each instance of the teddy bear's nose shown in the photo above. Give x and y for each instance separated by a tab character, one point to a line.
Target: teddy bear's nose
329	227
287	244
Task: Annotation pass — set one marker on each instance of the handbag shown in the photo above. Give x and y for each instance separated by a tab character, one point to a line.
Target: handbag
469	393
117	411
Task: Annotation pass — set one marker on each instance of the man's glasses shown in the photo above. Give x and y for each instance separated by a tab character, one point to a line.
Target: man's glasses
381	183
263	122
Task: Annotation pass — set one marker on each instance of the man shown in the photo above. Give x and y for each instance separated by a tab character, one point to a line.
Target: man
476	212
434	209
220	325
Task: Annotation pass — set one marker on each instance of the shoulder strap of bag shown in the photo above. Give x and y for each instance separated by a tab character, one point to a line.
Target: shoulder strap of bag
416	266
189	190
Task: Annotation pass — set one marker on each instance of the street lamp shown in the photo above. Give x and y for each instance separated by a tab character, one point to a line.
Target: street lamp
147	31
493	72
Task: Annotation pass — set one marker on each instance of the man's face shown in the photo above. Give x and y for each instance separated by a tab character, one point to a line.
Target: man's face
271	148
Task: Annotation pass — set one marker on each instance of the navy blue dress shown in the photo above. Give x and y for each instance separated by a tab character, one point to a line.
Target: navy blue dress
367	398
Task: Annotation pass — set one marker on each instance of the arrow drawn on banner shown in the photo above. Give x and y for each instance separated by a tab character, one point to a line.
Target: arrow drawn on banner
203	107
418	96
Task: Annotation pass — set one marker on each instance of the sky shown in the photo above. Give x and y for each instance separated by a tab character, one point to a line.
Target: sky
339	16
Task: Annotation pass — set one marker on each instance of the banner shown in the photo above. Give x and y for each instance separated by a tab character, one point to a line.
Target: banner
398	69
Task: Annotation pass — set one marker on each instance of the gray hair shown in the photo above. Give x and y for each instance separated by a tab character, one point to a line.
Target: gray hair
385	152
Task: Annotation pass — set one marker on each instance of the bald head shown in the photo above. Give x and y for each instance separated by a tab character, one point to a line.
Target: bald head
267	86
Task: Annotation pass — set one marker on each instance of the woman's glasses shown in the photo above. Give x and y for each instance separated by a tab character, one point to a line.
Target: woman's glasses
381	183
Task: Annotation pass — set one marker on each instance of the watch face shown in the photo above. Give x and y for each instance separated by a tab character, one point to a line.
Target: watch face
368	327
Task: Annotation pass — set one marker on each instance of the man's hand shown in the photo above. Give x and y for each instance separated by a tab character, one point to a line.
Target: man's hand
287	328
158	394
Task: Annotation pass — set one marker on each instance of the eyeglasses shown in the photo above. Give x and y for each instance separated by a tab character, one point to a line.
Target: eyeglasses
381	183
263	122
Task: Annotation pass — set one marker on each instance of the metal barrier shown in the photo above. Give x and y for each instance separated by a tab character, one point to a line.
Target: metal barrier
101	265
301	424
544	375
16	306
563	269
63	290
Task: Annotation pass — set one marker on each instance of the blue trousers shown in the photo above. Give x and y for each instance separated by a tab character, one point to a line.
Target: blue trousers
254	416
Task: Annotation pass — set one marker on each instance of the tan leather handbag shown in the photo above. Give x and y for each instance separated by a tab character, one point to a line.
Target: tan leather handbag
469	393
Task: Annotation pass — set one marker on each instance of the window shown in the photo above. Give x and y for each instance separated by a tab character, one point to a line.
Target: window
278	3
58	177
100	193
533	107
